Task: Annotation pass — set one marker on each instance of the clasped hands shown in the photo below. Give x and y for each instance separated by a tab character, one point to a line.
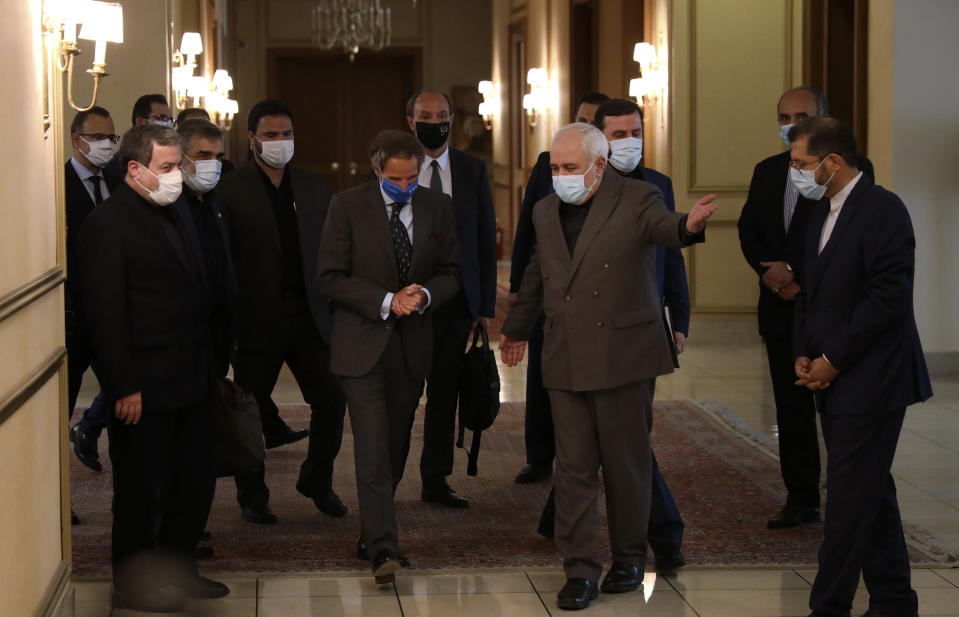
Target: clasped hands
511	350
408	300
779	279
815	374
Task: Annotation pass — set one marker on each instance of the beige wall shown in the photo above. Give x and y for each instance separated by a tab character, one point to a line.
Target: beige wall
34	548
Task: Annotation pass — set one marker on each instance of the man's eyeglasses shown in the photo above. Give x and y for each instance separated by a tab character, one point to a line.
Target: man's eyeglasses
100	137
160	117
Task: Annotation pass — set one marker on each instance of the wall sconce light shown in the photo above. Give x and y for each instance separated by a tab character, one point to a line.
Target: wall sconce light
101	22
218	102
652	78
490	106
185	84
539	99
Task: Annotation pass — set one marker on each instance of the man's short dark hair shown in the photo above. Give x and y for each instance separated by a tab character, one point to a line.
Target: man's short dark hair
137	144
822	103
197	127
615	107
411	103
77	125
267	107
826	135
593	98
393	144
144	105
192	113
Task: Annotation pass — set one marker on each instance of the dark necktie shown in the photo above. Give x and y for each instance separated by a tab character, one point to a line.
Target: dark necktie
401	242
436	180
97	193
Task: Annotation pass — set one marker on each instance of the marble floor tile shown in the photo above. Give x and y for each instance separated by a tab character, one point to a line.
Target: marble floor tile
326	606
477	605
749	602
463	584
278	587
700	580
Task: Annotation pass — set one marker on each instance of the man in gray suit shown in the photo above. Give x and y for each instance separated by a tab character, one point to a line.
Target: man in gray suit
594	274
384	280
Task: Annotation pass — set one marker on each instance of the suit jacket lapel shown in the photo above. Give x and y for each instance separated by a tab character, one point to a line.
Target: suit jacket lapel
459	177
422	226
603	205
261	199
846	214
380	222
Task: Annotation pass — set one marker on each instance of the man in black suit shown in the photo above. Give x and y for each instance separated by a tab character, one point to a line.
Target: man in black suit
146	301
385	279
462	177
772	227
88	183
857	349
275	214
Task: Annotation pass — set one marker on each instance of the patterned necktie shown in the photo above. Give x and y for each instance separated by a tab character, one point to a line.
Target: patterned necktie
401	242
97	193
436	180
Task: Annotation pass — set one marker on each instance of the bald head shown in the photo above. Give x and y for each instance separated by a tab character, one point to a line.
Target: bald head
800	103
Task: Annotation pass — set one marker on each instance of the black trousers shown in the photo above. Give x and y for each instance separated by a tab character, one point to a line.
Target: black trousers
540	443
382	404
164	474
79	357
302	349
863	529
451	328
796	418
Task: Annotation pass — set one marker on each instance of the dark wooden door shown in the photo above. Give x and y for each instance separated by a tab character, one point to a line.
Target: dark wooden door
339	105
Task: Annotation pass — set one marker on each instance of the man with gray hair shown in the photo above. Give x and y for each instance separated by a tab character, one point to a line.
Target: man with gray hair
385	280
147	305
594	274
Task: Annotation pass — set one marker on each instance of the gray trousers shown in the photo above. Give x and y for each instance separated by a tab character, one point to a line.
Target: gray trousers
608	429
381	406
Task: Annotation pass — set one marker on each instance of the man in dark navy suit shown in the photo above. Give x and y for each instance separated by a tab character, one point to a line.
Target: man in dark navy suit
772	227
856	346
463	177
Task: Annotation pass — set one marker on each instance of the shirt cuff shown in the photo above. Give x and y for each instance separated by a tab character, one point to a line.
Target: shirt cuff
429	300
385	307
827	361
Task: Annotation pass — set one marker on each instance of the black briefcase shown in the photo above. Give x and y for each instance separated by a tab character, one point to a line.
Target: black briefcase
240	445
478	393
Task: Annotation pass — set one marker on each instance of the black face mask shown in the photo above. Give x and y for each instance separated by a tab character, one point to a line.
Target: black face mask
432	134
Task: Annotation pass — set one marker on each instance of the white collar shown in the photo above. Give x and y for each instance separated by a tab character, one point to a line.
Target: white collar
443	159
837	200
82	171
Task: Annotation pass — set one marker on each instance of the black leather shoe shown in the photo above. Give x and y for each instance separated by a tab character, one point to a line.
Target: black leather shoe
201	587
533	473
793	516
204	552
85	448
363	555
622	577
577	593
875	612
329	503
261	515
275	440
444	496
161	600
667	561
385	567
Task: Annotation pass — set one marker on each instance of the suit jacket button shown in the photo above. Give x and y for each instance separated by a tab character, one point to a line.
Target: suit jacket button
605	264
599	324
595	294
568	298
389	326
546	275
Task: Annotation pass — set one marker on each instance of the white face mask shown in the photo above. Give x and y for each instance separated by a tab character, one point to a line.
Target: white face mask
276	154
626	153
805	181
205	176
572	188
784	133
166	123
100	151
171	184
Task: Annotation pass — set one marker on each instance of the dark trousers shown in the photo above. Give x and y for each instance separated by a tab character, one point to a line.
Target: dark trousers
451	328
164	474
95	418
540	445
863	530
302	349
606	429
796	418
382	404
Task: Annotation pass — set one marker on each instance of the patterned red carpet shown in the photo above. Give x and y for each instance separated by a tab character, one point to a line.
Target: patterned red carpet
725	487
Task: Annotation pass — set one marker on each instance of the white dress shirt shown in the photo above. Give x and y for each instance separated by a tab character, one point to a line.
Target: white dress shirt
406	217
426	171
835	205
85	175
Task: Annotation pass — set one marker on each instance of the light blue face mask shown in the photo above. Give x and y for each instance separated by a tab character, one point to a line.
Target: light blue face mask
572	188
784	133
805	182
397	194
206	176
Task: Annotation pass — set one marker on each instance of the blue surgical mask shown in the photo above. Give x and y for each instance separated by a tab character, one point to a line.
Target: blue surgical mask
397	194
572	188
625	153
206	176
784	133
805	182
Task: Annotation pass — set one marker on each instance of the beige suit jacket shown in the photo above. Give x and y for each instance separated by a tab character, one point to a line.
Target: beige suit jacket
603	323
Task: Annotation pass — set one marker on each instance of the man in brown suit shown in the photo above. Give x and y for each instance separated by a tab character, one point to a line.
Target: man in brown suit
594	274
384	280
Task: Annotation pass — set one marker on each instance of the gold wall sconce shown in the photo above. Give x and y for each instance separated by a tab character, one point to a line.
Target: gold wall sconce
651	82
539	99
490	106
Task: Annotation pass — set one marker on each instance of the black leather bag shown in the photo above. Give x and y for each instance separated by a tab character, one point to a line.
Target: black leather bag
240	448
478	393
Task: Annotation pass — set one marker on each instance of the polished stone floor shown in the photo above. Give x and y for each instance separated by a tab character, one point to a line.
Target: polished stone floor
732	374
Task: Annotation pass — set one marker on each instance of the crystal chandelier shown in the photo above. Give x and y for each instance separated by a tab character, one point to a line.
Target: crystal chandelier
350	24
